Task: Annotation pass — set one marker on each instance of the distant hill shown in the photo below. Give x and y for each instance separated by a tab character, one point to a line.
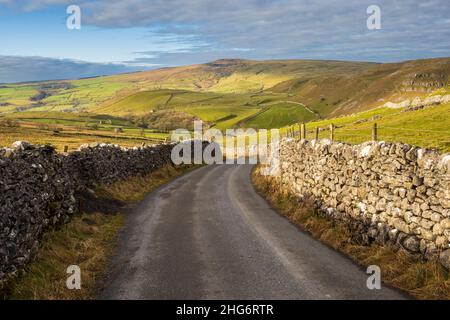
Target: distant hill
332	95
233	92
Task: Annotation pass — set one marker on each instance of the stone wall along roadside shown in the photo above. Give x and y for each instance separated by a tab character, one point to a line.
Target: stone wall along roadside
38	188
389	193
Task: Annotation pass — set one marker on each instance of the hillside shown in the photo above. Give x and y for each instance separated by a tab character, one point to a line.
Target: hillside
232	93
344	94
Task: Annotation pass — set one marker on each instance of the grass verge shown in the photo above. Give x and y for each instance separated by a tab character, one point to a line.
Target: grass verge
87	241
136	188
420	279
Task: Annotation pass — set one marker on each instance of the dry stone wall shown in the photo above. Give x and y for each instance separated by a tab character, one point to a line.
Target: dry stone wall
38	189
389	193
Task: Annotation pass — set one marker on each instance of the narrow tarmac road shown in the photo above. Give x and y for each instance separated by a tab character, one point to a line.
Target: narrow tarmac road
209	235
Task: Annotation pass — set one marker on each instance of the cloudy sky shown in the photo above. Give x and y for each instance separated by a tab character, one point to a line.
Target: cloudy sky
128	35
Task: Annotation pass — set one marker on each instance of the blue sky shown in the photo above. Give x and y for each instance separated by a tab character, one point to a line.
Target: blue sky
120	36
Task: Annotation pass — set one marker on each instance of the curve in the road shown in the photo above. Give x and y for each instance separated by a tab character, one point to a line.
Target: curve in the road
209	235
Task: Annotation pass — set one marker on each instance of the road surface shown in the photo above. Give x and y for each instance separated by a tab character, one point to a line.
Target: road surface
209	235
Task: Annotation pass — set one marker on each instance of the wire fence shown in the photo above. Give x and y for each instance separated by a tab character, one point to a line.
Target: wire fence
439	139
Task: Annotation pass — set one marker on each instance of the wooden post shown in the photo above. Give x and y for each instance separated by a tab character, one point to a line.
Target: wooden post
374	132
303	131
332	132
66	148
317	133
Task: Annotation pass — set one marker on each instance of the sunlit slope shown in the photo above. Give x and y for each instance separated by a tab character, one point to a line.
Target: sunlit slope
221	110
137	103
280	114
257	76
222	76
344	94
73	129
239	76
428	127
233	92
72	95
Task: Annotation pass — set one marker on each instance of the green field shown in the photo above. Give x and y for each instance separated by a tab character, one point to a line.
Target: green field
232	94
279	115
221	110
73	129
76	95
429	127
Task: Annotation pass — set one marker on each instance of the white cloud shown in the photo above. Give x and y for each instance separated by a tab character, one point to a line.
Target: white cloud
284	28
265	29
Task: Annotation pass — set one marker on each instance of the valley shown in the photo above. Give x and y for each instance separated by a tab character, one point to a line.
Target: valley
143	107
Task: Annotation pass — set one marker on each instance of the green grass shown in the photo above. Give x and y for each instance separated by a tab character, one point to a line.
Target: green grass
251	94
223	110
280	114
227	84
258	76
67	118
139	103
74	129
86	94
429	127
80	94
86	241
443	91
222	117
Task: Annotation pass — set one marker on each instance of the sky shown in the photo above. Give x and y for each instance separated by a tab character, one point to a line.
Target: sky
119	36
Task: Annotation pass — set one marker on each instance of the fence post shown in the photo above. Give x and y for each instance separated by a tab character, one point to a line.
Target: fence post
303	131
332	132
375	132
317	133
66	148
